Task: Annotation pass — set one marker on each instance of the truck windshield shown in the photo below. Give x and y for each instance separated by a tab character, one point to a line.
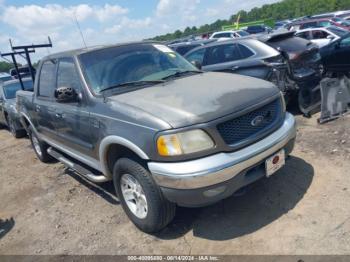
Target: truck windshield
144	63
11	89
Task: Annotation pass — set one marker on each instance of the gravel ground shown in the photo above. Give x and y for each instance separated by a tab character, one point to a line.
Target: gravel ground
303	209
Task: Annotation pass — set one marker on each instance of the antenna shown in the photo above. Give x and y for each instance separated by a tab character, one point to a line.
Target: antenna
79	29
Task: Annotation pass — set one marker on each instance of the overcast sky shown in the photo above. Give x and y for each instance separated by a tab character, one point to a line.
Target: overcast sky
102	22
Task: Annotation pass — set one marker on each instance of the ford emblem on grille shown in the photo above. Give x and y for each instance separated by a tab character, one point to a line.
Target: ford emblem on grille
257	121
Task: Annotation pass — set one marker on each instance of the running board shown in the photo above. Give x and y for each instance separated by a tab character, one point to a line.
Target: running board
75	166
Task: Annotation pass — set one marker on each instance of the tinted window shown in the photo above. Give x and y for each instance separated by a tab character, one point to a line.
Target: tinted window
319	34
325	23
305	35
242	33
309	25
184	49
47	79
196	56
222	35
245	51
222	53
345	42
67	75
11	89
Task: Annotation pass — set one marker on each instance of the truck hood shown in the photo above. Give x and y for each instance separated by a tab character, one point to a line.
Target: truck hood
198	98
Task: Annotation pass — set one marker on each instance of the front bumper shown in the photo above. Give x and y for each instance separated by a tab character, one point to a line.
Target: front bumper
204	178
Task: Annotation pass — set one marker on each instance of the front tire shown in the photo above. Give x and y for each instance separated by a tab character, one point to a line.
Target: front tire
40	147
141	198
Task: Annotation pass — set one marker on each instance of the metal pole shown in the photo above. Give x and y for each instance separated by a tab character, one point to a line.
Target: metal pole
30	64
17	70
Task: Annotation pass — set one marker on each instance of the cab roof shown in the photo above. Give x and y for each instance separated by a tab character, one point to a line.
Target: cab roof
79	51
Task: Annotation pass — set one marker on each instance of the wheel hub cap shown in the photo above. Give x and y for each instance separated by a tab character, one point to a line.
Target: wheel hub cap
134	196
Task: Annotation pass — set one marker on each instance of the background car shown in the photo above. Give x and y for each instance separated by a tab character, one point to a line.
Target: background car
322	22
229	34
8	111
258	29
4	77
304	68
245	56
336	56
322	36
184	47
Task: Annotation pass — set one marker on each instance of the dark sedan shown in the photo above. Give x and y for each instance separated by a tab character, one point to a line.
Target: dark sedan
8	112
336	56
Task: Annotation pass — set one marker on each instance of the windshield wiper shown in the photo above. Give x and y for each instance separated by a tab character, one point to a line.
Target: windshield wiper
134	83
181	73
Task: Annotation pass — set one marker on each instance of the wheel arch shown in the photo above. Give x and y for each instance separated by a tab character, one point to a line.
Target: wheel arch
113	148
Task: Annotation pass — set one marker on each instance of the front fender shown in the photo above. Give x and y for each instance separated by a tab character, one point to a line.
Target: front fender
112	140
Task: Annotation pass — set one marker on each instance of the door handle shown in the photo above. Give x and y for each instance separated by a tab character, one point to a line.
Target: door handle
37	108
234	68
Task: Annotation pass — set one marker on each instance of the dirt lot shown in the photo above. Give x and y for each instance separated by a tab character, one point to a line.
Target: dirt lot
304	209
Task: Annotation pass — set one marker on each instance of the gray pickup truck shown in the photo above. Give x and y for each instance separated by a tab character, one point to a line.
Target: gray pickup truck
166	133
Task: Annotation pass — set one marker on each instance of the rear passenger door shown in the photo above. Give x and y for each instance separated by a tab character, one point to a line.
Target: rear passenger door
44	108
72	118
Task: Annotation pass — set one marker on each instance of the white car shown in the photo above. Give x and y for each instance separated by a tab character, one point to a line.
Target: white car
322	36
225	35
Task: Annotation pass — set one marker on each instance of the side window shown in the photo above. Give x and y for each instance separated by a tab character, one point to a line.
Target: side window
309	25
47	79
222	53
67	75
305	35
184	49
245	51
196	56
222	35
319	34
345	42
325	23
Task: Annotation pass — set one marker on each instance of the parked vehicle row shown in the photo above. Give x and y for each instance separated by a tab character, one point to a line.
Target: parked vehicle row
172	130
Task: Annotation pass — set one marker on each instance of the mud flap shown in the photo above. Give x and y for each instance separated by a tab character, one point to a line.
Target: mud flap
335	94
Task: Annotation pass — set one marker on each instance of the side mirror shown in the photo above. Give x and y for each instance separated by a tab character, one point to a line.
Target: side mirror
66	95
197	64
330	37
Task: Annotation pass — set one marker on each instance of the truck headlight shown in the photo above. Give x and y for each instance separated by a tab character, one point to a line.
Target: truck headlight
184	143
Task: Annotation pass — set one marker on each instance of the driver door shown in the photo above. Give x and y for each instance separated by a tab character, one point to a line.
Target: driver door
342	55
72	118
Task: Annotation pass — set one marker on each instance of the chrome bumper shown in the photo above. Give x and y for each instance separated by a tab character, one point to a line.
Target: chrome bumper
221	167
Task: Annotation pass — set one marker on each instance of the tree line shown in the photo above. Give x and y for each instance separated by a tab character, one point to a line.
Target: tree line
285	9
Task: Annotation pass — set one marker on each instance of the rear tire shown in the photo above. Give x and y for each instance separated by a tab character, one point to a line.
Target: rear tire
40	147
141	198
15	132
